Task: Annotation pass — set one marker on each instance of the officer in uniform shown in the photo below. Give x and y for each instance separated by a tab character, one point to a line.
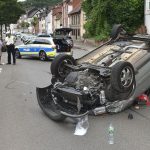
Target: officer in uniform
10	47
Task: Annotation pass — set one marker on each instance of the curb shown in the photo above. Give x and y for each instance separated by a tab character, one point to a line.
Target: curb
77	47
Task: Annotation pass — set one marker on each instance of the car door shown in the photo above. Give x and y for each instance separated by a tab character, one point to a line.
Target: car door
34	47
48	46
25	49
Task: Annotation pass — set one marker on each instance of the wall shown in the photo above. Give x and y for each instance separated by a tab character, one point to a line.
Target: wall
49	23
66	9
147	15
82	22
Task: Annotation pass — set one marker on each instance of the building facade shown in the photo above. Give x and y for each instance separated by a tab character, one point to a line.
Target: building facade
65	14
77	19
147	15
48	21
57	17
66	9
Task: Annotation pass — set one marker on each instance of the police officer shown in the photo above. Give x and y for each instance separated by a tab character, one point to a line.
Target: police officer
10	47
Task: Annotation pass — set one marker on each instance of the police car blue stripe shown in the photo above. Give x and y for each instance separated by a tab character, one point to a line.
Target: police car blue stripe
36	49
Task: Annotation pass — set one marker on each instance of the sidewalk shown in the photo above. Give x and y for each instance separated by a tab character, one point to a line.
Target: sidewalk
83	45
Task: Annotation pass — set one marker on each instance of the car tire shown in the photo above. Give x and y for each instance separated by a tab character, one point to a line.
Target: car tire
58	68
112	95
18	55
117	28
42	56
122	76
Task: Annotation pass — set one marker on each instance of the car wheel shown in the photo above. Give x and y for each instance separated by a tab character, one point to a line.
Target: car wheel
122	76
42	56
18	55
113	95
117	28
58	66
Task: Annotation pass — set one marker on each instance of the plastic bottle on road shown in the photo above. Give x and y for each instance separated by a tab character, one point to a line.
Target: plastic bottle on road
111	134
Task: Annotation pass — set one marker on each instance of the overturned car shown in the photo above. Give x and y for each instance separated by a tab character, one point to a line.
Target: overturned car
107	79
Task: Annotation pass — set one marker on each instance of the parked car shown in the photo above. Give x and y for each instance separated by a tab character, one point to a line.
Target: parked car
63	34
18	34
107	79
43	48
28	38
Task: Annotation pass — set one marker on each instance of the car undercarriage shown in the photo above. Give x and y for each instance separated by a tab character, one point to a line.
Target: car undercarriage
108	79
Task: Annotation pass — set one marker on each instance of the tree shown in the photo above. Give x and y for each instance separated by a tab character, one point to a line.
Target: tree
40	3
102	14
34	23
24	25
10	11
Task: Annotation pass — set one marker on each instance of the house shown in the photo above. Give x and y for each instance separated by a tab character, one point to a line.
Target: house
48	21
34	12
57	16
42	21
147	15
22	18
77	19
66	9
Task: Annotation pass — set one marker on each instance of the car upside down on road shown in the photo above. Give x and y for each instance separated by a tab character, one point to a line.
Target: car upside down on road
107	79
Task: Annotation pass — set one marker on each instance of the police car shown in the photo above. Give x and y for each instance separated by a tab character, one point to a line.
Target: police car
43	48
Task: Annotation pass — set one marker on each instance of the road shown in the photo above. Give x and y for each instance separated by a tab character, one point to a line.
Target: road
23	126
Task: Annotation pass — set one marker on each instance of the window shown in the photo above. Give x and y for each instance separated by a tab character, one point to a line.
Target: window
41	41
78	32
73	32
37	41
47	42
148	5
76	19
30	42
72	20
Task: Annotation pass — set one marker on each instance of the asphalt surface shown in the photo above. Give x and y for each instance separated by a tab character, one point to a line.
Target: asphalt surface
23	126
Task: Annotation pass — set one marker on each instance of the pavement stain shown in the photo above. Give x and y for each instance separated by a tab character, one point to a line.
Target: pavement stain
14	84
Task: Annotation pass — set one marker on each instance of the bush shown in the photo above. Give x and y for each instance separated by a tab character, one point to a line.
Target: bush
101	15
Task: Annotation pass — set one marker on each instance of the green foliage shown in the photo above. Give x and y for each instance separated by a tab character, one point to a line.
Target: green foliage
102	14
40	3
34	22
10	11
130	13
24	24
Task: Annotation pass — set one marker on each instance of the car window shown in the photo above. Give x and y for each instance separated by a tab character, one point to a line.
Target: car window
46	42
30	42
38	41
42	41
44	36
57	33
60	33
